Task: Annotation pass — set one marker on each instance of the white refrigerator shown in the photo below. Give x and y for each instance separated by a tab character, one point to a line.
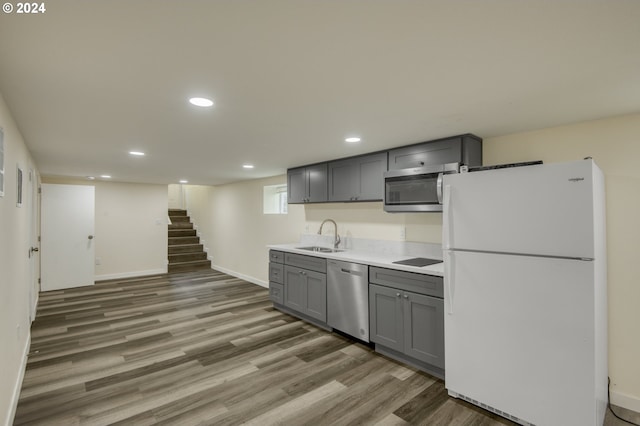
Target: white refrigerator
525	292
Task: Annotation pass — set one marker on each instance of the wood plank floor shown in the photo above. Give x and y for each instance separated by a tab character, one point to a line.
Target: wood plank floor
206	348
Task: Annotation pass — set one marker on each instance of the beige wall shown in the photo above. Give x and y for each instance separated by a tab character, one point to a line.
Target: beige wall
15	268
229	219
614	144
131	227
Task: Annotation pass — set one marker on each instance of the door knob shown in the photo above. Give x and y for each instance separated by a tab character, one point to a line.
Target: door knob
90	237
34	249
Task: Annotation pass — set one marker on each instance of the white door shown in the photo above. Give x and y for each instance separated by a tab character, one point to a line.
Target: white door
68	216
541	210
34	255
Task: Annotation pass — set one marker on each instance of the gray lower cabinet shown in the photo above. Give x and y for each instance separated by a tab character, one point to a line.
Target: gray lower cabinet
424	328
305	291
299	283
406	315
386	320
276	276
407	322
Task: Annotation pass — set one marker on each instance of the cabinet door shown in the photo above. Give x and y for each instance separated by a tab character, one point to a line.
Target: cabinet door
295	289
385	317
296	185
426	154
316	295
317	183
343	180
370	176
424	328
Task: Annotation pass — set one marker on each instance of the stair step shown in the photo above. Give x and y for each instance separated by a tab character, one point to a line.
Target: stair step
181	225
182	232
183	240
186	257
175	219
185	248
189	266
177	212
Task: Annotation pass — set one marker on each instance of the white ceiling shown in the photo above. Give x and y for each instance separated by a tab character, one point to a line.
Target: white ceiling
88	81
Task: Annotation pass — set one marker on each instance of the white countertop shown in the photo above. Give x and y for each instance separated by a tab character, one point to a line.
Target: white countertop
382	260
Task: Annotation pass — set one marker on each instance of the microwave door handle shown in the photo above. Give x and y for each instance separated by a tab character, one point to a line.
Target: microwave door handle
439	188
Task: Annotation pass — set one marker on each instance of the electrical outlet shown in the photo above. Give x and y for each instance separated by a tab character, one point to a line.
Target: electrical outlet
98	261
403	233
306	229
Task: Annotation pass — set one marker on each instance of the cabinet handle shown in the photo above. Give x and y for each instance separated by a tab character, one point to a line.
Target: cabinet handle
397	294
406	296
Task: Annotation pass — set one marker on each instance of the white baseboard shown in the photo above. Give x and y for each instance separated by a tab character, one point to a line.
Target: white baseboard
18	385
253	280
132	274
623	400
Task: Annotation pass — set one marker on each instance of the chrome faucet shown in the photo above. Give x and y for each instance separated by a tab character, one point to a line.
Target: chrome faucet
336	240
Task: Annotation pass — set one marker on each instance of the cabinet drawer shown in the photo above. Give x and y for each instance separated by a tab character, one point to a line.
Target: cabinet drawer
306	262
276	293
409	281
276	272
276	256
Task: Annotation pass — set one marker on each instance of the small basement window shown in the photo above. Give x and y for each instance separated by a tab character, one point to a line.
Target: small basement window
275	199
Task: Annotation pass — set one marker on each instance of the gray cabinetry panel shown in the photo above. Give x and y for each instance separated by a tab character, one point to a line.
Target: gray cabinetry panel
371	170
276	272
408	323
276	293
358	179
409	281
317	178
424	328
305	291
297	185
295	289
307	184
385	317
276	256
318	264
342	180
316	296
426	154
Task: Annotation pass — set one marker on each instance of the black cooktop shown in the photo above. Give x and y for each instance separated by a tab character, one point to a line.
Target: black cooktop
417	261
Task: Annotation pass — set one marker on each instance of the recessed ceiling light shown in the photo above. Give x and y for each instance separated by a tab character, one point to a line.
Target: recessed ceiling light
352	140
138	153
184	181
105	176
248	166
91	177
201	102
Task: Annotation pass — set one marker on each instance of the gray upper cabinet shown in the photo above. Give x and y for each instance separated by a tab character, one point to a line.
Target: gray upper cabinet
307	184
358	179
465	149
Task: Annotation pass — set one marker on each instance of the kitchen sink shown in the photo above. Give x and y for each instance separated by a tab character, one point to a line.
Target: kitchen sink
320	249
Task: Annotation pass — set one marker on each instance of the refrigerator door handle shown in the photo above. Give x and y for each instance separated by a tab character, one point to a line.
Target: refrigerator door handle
448	280
439	188
446	223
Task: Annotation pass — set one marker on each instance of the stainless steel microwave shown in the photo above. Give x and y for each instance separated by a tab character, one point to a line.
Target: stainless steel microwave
417	189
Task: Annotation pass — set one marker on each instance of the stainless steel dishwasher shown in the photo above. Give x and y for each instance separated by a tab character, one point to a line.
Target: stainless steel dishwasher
348	298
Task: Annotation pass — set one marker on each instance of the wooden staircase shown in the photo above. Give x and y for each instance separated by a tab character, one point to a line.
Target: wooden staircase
185	251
